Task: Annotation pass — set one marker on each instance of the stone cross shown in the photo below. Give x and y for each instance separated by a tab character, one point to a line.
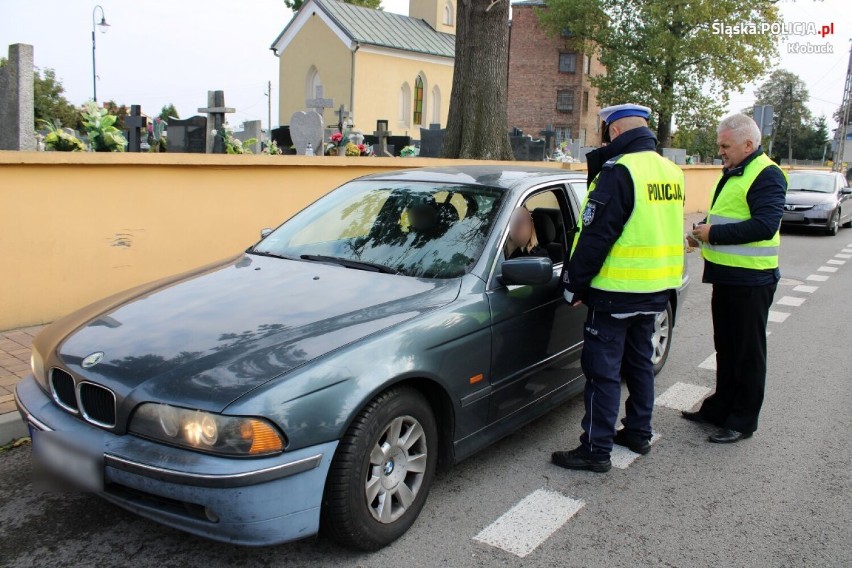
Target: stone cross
548	134
342	115
17	95
215	111
318	103
137	126
382	134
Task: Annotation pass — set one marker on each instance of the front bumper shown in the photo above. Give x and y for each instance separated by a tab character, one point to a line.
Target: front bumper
255	502
817	219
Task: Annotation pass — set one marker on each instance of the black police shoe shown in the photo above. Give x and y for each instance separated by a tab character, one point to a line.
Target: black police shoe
728	436
580	459
632	442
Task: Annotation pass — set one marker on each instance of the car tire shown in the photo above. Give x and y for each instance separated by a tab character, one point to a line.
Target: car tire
662	338
834	225
847	224
372	466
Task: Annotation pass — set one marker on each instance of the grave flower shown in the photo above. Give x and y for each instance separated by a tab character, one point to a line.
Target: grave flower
409	152
58	140
101	130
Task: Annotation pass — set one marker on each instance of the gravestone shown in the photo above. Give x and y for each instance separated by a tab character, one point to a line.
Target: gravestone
434	126
382	134
17	111
516	132
536	151
676	155
397	143
431	142
216	111
281	136
188	136
519	145
137	127
251	129
307	128
548	134
525	149
318	103
342	115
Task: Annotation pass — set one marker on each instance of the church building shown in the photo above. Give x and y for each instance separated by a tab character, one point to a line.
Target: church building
379	65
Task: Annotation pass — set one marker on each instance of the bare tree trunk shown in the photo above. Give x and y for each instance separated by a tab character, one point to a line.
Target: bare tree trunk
477	126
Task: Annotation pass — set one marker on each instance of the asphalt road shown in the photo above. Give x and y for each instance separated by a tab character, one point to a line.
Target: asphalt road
781	498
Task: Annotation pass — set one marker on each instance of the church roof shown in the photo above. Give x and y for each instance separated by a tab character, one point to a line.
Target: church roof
376	27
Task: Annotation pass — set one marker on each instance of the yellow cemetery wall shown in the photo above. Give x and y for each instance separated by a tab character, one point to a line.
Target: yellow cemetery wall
378	80
77	227
315	45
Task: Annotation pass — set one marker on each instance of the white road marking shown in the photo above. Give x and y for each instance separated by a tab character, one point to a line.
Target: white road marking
790	301
832	261
621	457
709	363
682	396
817	278
847	250
521	529
778	317
827	269
840	255
806	289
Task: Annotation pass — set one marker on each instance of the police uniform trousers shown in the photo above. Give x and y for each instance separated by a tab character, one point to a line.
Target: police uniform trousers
616	348
740	314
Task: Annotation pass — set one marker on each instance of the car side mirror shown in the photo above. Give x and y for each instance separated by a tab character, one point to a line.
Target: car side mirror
846	191
265	232
527	271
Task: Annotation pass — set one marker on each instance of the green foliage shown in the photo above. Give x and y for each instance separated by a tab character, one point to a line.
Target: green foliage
49	100
665	53
157	135
101	128
375	4
59	141
169	111
120	112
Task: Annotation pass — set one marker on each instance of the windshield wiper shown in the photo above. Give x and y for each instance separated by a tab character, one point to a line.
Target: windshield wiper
349	263
810	190
252	250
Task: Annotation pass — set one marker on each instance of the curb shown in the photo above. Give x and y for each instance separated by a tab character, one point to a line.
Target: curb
12	427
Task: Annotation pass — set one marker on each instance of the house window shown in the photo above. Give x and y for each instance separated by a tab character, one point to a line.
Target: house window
587	64
565	101
563	133
418	100
436	105
567	62
404	105
448	14
585	102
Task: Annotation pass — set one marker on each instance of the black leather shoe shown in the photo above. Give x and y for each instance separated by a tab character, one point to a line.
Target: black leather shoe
727	436
581	460
631	442
694	417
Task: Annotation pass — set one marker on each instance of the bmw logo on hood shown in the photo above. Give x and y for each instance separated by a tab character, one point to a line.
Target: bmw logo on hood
93	359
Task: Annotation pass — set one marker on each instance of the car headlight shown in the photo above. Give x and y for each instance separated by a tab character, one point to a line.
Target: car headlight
37	365
206	431
824	206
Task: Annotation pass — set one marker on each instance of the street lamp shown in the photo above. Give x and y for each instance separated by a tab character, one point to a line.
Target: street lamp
103	25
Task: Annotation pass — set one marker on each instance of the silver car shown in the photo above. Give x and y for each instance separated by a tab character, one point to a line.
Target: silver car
818	199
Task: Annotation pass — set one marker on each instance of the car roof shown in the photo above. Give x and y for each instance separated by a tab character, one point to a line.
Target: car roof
502	177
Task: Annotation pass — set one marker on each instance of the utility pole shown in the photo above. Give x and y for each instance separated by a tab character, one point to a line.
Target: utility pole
269	107
844	120
790	128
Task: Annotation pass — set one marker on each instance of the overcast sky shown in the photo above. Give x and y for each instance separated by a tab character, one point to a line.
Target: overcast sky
173	51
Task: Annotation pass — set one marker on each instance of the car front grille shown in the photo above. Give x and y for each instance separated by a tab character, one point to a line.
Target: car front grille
797	208
95	403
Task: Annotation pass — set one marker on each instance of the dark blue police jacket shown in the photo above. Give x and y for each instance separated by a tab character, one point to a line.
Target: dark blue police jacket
613	204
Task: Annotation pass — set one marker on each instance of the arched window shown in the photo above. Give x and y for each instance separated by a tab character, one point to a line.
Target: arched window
404	105
448	14
312	81
418	100
436	105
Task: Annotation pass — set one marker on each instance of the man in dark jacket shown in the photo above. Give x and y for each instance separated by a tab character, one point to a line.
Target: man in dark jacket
626	259
739	243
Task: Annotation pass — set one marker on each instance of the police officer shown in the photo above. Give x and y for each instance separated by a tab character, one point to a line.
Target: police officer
625	259
740	244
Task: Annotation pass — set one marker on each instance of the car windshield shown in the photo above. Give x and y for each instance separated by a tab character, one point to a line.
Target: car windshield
427	230
820	183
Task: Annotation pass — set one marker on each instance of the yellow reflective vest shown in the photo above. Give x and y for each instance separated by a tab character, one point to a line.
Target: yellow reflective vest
648	256
731	206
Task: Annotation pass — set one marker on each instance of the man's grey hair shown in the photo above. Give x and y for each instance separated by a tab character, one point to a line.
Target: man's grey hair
743	127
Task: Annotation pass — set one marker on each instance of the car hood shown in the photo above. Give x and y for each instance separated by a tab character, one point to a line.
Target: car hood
809	198
208	338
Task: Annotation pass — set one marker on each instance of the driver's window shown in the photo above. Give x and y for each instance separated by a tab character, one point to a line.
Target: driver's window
537	228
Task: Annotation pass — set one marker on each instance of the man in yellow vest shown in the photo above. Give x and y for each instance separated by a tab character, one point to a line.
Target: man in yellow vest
626	259
739	243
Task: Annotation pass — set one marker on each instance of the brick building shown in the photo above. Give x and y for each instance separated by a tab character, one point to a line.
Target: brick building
548	83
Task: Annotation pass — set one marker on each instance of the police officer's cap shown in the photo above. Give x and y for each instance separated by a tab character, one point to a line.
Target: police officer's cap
613	113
